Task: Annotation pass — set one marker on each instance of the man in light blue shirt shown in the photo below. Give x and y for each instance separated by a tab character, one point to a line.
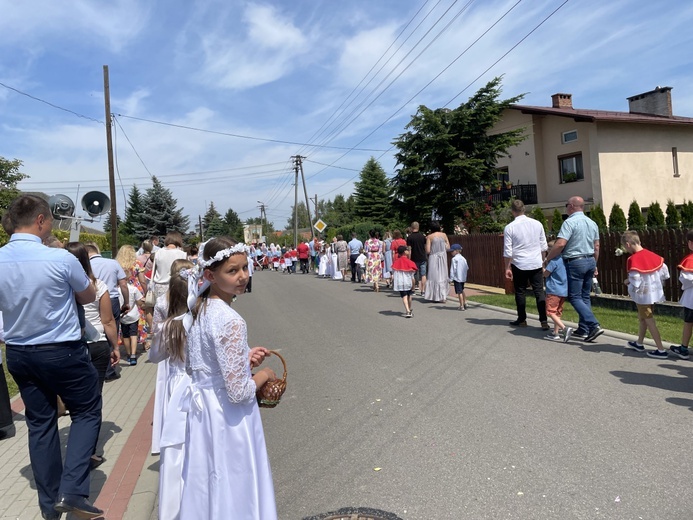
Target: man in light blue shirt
355	246
578	242
46	357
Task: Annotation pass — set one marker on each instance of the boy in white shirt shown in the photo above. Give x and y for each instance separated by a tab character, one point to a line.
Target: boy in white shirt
360	266
129	323
458	274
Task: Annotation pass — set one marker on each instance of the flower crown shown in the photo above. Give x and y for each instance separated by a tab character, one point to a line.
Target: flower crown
196	284
224	253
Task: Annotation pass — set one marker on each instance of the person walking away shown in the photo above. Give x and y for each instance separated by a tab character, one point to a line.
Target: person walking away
437	282
355	247
403	270
646	272
458	274
129	322
303	250
417	245
360	264
686	301
40	288
524	247
7	428
556	293
223	417
374	260
342	249
99	328
578	243
168	350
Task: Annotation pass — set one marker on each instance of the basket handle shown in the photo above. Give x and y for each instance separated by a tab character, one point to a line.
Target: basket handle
275	353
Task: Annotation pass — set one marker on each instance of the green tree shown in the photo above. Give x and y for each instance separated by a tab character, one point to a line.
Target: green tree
538	214
655	216
599	218
210	215
303	221
338	212
673	217
636	221
9	177
617	219
445	155
234	225
131	225
556	221
687	215
215	228
372	200
160	213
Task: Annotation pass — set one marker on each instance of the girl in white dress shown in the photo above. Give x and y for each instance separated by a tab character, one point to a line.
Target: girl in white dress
226	471
168	349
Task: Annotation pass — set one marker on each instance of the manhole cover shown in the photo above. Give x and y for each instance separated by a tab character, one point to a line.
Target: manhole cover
355	513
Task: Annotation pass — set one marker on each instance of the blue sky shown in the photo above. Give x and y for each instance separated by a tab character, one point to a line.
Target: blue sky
278	71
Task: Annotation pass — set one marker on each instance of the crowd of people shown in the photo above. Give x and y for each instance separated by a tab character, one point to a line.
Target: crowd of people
65	309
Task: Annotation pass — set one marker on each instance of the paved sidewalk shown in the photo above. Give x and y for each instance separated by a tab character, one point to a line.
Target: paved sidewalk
125	442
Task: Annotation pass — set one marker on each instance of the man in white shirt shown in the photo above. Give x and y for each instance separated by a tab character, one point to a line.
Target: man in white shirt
524	249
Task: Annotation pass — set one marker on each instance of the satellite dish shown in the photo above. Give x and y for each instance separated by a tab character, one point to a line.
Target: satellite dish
61	206
96	203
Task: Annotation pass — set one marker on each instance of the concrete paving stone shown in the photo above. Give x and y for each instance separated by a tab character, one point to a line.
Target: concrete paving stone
16	508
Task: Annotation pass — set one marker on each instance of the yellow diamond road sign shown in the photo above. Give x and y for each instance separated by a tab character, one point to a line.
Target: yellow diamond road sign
320	226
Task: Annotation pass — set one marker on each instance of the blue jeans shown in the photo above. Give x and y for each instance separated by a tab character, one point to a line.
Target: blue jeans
580	274
42	373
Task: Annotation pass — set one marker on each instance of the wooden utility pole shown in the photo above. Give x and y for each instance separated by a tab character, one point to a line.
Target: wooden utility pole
111	172
202	238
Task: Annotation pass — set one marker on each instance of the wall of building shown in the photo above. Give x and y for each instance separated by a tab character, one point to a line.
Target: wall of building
521	162
635	163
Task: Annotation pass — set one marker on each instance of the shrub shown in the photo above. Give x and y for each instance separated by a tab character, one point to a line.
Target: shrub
673	217
556	221
655	216
617	219
636	222
538	214
687	215
597	215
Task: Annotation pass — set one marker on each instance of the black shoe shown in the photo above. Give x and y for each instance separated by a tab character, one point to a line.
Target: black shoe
545	325
518	323
594	334
80	506
51	515
114	377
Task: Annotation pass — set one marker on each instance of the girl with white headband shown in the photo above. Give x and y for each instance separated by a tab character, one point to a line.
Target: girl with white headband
226	471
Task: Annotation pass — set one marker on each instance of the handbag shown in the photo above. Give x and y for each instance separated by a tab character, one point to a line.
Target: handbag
150	298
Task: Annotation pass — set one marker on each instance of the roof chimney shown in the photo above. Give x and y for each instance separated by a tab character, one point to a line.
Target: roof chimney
656	102
562	101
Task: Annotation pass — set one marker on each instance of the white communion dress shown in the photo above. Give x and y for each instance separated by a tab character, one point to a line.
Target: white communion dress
226	471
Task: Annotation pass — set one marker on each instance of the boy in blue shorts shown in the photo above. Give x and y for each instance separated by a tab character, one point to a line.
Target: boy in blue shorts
458	274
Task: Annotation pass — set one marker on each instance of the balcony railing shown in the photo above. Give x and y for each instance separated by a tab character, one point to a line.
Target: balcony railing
527	193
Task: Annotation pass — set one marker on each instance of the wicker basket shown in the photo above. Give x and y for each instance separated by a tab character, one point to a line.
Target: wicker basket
271	392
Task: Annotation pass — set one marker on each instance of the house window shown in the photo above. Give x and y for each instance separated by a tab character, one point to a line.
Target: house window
675	158
569	136
570	168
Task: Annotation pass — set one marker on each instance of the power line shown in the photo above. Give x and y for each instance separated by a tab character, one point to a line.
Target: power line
131	145
57	107
239	136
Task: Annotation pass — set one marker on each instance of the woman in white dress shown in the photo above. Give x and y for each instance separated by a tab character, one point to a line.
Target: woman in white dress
437	284
168	349
226	471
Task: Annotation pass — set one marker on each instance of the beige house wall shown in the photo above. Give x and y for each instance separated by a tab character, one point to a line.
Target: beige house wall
621	161
636	163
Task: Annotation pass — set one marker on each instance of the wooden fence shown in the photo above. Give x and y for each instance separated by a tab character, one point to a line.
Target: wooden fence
484	253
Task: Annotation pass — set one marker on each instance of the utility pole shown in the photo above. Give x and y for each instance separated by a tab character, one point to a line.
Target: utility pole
202	239
305	193
111	173
316	207
263	218
296	161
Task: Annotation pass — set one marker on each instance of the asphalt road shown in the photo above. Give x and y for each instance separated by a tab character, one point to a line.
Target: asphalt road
455	415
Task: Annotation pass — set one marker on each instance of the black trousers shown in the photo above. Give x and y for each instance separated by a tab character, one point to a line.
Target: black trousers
5	408
536	279
352	265
44	372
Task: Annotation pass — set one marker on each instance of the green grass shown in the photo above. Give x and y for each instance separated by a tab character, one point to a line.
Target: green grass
612	319
11	385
